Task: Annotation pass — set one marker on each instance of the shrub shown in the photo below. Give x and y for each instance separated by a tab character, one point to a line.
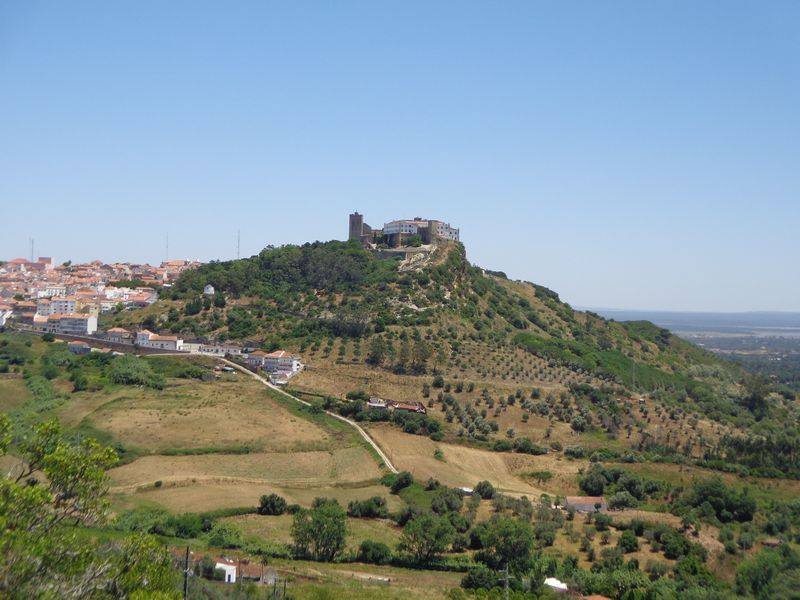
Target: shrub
376	553
372	508
272	505
401	481
479	578
621	499
224	535
485	490
627	542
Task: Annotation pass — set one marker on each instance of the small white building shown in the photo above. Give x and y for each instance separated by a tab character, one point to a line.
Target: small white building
5	315
556	585
119	335
378	403
256	359
208	290
229	567
78	347
219	349
281	361
148	339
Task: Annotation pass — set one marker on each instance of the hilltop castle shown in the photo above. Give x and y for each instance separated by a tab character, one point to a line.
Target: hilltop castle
396	233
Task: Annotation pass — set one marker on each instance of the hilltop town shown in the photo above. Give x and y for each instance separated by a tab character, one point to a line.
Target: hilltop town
68	298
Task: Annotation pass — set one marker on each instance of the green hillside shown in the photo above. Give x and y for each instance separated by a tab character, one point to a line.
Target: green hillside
440	315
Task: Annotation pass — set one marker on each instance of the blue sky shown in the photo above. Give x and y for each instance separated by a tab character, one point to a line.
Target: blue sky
625	154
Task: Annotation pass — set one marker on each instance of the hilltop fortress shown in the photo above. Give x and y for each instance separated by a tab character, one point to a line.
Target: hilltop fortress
401	232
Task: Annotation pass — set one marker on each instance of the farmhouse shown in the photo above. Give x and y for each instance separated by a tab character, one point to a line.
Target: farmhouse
377	403
586	504
148	339
119	335
256	359
281	361
416	407
78	347
229	567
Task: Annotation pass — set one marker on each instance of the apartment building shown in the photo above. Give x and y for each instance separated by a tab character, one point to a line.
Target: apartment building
69	324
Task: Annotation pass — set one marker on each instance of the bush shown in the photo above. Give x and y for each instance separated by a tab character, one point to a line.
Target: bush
479	578
627	542
485	490
401	481
372	508
132	370
224	535
621	500
376	553
272	505
447	500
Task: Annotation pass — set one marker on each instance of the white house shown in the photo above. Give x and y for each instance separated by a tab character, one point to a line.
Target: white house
119	335
208	290
229	567
281	361
219	349
556	585
5	315
78	347
375	402
256	359
148	339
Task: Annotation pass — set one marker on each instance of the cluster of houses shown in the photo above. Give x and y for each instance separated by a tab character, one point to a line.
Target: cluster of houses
280	365
68	298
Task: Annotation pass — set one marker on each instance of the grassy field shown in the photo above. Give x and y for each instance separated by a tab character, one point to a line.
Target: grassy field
463	466
190	414
278	529
319	581
13	392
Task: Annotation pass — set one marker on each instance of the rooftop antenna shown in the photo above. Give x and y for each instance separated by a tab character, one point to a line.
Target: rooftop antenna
238	243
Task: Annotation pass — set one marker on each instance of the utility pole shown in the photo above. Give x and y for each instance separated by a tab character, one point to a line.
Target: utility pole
186	575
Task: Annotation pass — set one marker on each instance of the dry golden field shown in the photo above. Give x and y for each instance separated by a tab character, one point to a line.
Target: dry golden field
190	414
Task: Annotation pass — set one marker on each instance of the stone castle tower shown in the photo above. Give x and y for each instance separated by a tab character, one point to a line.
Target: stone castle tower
356	226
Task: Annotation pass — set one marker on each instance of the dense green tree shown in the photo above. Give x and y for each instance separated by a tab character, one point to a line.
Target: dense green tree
426	536
507	542
320	532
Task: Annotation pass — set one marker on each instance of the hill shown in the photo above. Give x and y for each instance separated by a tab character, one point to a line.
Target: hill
494	359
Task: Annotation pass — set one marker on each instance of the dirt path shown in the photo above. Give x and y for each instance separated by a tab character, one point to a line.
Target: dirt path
353	424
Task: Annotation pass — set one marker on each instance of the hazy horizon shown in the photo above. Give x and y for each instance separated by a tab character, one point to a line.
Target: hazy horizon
624	155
